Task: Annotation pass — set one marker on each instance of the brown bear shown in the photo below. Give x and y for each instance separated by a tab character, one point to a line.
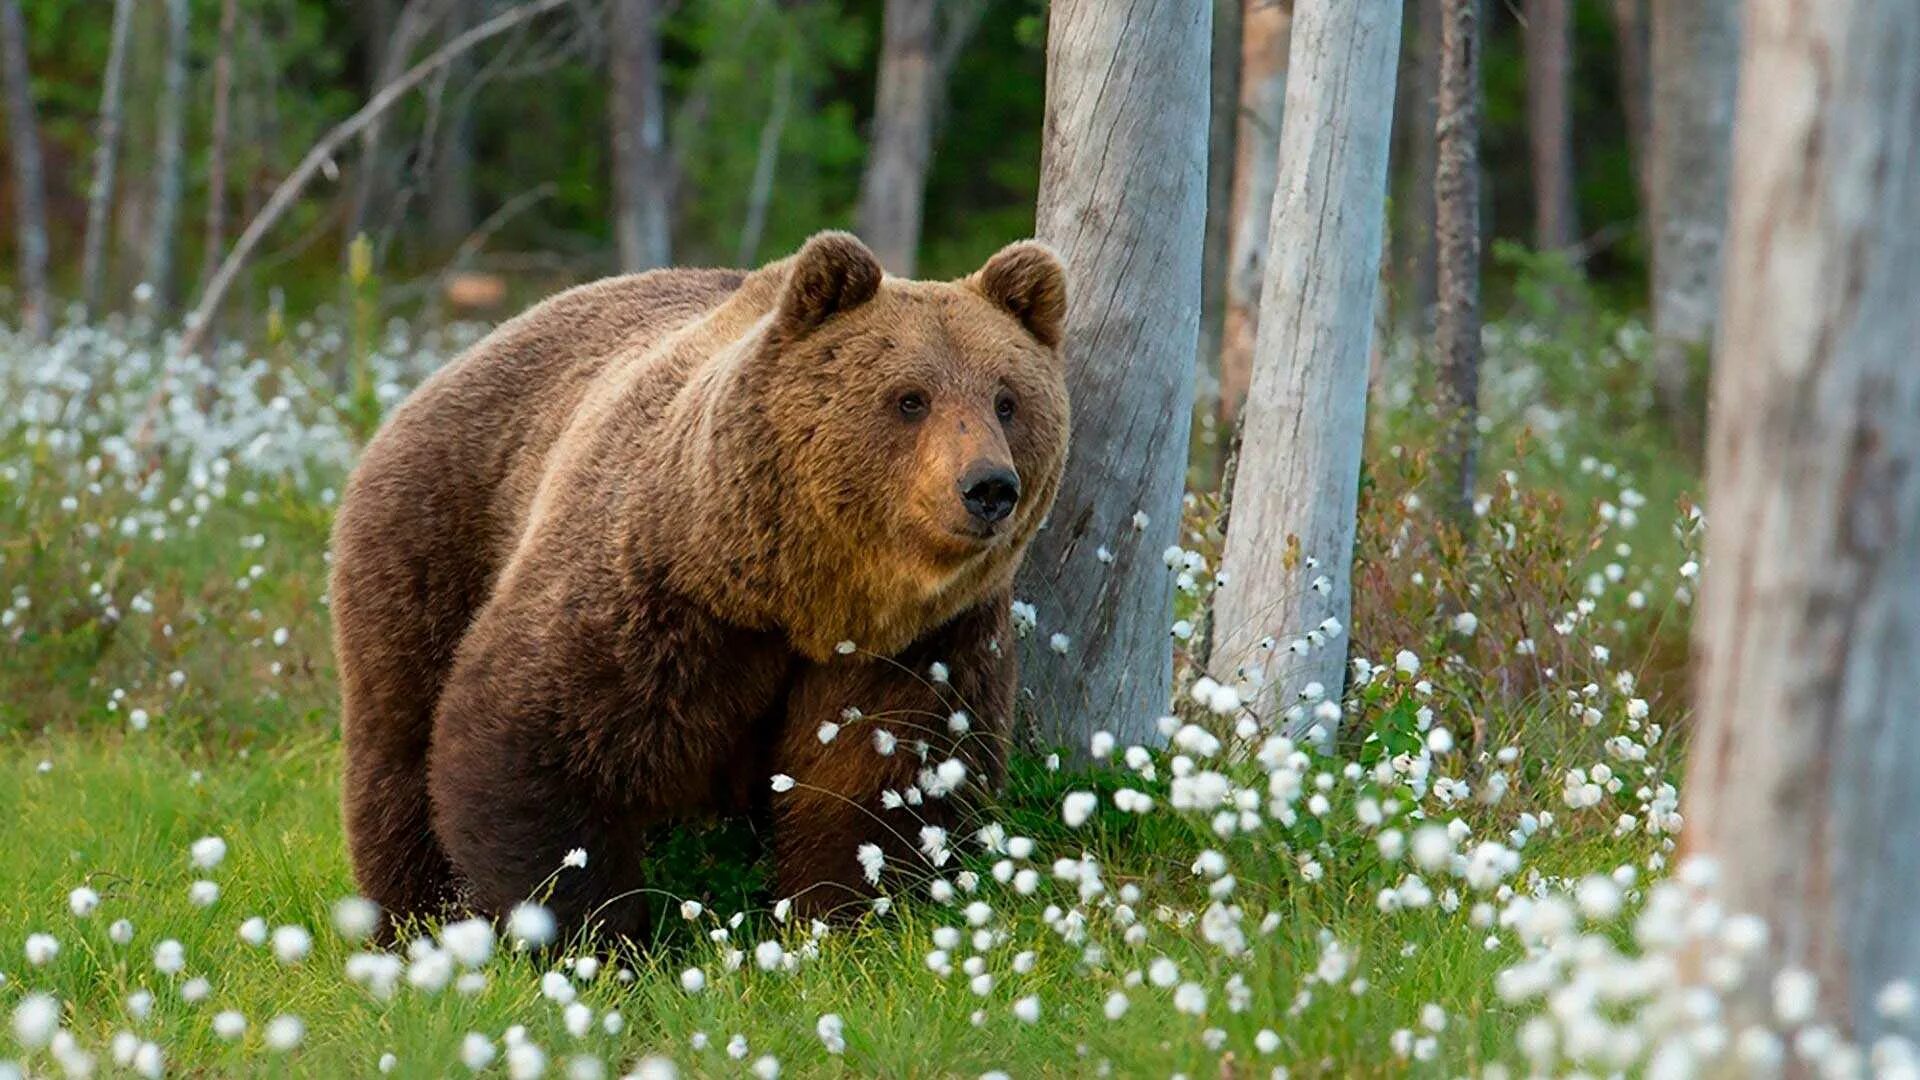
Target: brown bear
641	548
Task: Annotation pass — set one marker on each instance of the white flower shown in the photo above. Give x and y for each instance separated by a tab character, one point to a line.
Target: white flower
832	1032
1406	663
1466	623
476	1051
768	954
1896	1000
693	980
1796	993
35	1020
291	944
208	852
194	991
121	932
355	917
1190	998
469	941
41	949
203	893
285	1032
766	1067
525	1061
845	648
1060	643
827	732
576	858
556	987
82	901
782	782
229	1025
872	859
531	925
884	742
1027	1009
169	957
1077	807
1116	1006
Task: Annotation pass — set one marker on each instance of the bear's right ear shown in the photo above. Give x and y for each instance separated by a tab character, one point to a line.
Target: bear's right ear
833	273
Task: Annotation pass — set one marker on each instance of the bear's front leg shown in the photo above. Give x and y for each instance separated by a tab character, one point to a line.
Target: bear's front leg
871	746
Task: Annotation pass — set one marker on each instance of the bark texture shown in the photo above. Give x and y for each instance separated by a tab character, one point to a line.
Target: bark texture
29	174
1419	118
1696	52
1265	37
169	158
894	186
1804	781
1298	477
106	150
642	174
1122	199
1457	224
1549	48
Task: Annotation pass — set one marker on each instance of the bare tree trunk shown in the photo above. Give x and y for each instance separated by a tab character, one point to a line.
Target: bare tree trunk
370	176
1457	217
29	175
168	159
1549	47
1222	122
1804	777
1630	38
1122	199
642	175
1421	121
450	210
895	182
1299	471
106	149
1696	50
1265	37
222	122
760	196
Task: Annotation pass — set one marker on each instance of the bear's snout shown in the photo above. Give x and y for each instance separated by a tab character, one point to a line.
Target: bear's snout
989	491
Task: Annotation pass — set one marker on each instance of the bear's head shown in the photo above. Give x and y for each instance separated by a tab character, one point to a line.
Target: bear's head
921	429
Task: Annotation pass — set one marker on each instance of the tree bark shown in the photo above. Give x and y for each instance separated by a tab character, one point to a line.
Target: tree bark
766	159
1122	199
29	175
450	213
370	177
1222	137
169	160
1265	37
217	135
641	171
1299	471
1418	240
1804	778
1549	48
106	149
1696	50
1457	225
1630	38
894	185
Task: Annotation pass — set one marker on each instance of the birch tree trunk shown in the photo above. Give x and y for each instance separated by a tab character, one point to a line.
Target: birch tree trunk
1420	119
1457	225
1299	472
1265	37
168	159
1222	136
29	174
766	159
1122	199
1630	39
217	134
1804	779
1549	48
106	149
895	182
642	176
1696	51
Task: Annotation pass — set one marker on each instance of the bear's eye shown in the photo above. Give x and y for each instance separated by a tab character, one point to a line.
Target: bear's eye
1005	408
913	405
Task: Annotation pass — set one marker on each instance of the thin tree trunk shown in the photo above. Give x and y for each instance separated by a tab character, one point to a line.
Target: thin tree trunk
1299	471
370	175
1549	47
760	196
1457	218
1696	50
1630	38
296	181
450	210
1122	199
1804	778
641	170
217	134
1265	36
1417	235
1222	122
894	186
106	148
29	175
168	159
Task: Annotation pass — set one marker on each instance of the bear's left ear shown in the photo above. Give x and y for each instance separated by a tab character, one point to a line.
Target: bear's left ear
833	273
1026	278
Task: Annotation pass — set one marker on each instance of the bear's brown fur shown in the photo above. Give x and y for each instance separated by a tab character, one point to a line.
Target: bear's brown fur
596	574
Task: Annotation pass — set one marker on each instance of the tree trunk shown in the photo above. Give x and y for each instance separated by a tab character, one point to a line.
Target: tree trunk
766	158
168	159
370	177
1696	50
641	172
1265	37
450	211
1549	48
217	134
1299	471
1630	38
1122	199
1457	224
29	175
1421	120
1804	778
895	183
106	149
1222	137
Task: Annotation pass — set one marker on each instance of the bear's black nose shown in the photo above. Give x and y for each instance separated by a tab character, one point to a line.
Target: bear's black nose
989	492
